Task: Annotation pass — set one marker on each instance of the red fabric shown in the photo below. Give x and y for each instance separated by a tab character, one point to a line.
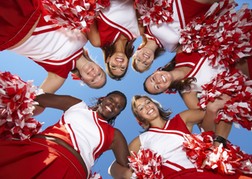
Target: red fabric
37	158
17	17
107	33
192	9
61	70
177	123
193	173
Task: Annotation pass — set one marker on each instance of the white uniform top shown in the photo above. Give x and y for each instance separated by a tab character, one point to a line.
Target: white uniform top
168	144
168	34
122	13
55	45
85	131
202	71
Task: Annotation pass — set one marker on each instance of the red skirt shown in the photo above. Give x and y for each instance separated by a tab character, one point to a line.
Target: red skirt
17	17
38	158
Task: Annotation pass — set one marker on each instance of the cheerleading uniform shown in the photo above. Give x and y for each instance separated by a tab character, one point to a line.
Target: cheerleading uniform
168	142
199	66
54	48
211	82
16	20
167	35
80	127
112	22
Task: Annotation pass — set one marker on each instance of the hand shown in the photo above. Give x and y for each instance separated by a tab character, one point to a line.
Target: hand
218	103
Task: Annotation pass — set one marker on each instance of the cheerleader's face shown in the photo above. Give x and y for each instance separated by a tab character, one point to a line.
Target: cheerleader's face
146	110
143	59
92	75
118	63
111	106
158	82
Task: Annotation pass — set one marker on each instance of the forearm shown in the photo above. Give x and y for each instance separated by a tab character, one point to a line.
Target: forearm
62	102
118	171
222	129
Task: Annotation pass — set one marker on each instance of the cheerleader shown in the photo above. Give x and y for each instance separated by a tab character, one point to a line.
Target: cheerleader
163	21
170	160
114	30
69	148
58	50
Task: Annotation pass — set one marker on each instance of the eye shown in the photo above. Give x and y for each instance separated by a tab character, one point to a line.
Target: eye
156	87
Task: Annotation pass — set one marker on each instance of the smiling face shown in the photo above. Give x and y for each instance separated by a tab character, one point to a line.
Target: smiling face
146	110
118	63
92	75
111	106
158	82
143	59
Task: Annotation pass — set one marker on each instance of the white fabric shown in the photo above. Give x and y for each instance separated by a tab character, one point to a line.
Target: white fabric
168	144
50	44
204	73
168	33
88	135
122	13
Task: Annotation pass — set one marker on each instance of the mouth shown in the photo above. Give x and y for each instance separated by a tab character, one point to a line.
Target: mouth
108	108
146	55
163	78
150	111
120	59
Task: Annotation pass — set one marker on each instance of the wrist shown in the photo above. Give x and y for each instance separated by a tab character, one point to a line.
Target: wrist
220	140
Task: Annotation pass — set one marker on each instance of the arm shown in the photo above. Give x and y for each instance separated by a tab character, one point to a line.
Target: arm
120	168
93	35
222	128
190	99
52	83
191	117
62	102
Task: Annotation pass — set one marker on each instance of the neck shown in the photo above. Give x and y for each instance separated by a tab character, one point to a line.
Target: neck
151	44
81	62
121	43
159	122
178	73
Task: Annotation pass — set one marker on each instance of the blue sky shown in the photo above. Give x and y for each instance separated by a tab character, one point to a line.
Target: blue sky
131	85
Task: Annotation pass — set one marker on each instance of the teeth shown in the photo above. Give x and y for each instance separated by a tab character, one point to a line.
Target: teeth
146	55
119	59
150	111
163	78
108	108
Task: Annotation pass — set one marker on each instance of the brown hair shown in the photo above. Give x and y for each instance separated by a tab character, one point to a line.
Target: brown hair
109	50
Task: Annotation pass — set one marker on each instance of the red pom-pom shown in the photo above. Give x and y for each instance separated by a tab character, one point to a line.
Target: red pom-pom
236	85
225	160
146	164
16	108
154	11
73	14
224	35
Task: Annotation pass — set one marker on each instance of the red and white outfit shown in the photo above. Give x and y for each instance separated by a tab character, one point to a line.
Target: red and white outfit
80	127
54	48
167	34
201	69
211	82
119	18
16	20
168	142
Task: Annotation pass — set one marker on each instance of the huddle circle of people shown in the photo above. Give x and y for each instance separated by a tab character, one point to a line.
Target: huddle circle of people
205	49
